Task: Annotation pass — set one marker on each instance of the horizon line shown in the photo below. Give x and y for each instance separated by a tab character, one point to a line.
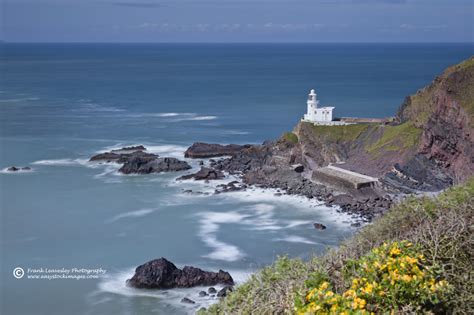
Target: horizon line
237	42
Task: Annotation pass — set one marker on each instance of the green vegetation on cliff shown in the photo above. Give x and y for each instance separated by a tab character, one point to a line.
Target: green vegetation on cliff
433	238
290	137
344	133
394	138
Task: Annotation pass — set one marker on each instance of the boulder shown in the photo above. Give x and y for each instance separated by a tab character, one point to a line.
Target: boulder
319	226
202	293
223	292
13	169
187	300
298	168
206	150
163	274
26	168
204	173
212	290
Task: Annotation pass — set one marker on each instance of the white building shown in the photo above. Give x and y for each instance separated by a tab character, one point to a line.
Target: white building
315	114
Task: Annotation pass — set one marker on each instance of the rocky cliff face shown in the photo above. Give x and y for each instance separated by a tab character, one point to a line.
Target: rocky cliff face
444	111
429	147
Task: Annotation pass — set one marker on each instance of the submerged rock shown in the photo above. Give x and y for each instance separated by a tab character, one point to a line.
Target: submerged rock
187	300
13	169
202	293
163	274
207	150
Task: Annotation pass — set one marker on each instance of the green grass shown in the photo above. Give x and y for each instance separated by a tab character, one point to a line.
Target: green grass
396	138
344	133
442	229
290	137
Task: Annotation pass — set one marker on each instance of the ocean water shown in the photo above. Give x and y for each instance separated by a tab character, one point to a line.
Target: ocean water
62	103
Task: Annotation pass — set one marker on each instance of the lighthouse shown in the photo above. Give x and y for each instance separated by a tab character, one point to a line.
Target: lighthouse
316	114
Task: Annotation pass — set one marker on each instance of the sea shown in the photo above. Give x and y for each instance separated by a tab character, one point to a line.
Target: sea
78	229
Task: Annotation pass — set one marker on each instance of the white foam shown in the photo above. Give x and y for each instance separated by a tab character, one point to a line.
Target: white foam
14	100
210	222
131	214
68	162
296	239
19	171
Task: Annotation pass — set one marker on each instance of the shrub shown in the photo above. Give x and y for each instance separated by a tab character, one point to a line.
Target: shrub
392	277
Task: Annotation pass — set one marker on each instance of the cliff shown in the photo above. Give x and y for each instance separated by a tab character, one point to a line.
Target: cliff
429	147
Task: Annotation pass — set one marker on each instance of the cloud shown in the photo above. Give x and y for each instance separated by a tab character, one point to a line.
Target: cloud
138	4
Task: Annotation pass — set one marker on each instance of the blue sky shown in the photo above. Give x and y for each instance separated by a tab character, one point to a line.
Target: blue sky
237	20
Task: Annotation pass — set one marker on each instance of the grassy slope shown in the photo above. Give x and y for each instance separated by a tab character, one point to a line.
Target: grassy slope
441	226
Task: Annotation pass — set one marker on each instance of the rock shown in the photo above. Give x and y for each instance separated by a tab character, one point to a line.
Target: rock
187	300
13	169
201	163
120	155
224	291
319	226
207	150
163	274
299	168
202	293
26	168
356	224
212	290
204	173
138	163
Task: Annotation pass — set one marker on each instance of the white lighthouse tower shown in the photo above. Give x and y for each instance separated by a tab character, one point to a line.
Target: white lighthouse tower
322	116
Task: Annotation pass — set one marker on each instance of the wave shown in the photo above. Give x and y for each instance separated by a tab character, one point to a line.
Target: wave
22	99
63	162
20	171
89	106
131	214
296	239
173	117
209	225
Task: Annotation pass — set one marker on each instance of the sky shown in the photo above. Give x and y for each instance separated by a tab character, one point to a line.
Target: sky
237	20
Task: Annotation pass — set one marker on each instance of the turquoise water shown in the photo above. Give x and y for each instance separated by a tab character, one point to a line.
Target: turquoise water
61	103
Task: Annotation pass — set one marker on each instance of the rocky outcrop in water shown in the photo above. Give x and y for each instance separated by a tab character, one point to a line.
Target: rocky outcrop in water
201	150
138	164
136	160
205	173
163	274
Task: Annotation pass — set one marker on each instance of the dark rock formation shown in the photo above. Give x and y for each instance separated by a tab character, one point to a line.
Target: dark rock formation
136	161
212	290
202	293
187	300
163	274
204	173
299	168
139	164
319	226
207	150
224	291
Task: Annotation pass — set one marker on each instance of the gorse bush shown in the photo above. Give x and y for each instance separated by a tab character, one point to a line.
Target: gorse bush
392	277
